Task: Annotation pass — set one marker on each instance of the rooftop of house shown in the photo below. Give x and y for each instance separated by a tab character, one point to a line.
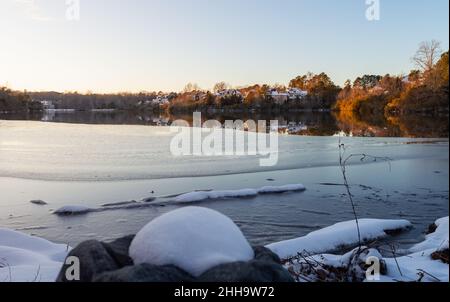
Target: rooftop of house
228	92
290	92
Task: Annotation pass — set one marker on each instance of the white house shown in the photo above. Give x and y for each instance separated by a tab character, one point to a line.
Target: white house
228	93
279	97
292	128
160	100
291	94
161	121
197	96
47	105
297	94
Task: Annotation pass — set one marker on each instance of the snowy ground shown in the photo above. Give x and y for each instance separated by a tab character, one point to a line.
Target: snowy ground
303	258
24	258
340	235
30	259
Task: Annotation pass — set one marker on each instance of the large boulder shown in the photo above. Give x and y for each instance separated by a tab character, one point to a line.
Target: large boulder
145	273
266	267
97	257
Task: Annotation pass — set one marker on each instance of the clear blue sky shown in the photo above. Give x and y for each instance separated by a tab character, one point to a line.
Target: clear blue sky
137	45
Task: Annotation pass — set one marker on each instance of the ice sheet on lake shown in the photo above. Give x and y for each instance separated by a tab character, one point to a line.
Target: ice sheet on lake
125	152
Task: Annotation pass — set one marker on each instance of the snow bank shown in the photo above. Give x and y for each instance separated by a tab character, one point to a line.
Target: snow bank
25	258
205	195
419	266
73	210
437	240
192	238
338	235
411	266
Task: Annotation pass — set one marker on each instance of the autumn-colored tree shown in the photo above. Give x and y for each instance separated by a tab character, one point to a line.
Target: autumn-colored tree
414	76
438	76
391	85
320	87
367	81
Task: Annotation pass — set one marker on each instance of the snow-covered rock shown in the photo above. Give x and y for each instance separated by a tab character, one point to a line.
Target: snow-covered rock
25	258
192	238
338	235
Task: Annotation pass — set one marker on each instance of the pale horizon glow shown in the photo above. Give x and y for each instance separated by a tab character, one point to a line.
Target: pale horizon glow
160	45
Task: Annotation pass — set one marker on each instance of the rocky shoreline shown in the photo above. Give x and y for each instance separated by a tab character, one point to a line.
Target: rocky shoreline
196	244
110	262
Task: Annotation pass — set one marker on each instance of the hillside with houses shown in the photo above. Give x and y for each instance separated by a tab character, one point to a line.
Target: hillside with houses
424	90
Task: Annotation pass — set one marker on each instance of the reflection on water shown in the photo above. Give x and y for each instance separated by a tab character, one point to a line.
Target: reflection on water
301	123
416	125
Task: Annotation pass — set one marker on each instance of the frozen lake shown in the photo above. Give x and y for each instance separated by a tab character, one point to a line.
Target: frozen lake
65	164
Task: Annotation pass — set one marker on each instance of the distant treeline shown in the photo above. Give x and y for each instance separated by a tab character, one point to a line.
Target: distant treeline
89	101
423	90
14	101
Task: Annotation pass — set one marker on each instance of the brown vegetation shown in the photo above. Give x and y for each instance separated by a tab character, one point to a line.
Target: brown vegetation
424	90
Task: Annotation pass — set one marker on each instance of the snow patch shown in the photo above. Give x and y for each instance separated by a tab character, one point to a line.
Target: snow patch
205	195
411	266
416	267
281	189
192	238
338	235
24	258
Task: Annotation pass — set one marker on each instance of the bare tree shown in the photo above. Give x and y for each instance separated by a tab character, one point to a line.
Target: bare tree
190	87
221	86
427	55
